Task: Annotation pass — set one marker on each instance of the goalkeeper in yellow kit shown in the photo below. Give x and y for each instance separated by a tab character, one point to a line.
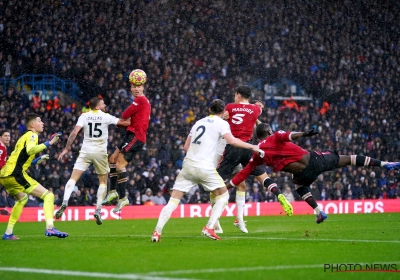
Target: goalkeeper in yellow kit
17	182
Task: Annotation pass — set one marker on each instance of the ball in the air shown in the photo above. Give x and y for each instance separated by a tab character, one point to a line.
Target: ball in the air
137	77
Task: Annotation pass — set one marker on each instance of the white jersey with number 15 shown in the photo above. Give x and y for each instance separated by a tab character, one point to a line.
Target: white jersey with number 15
206	134
95	126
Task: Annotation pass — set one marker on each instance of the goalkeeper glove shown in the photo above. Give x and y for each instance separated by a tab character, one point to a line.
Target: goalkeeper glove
310	132
38	160
53	139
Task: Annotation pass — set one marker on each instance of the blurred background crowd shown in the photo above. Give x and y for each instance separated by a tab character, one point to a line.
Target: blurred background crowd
344	55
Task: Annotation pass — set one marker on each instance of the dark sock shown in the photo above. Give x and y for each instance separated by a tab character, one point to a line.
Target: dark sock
305	194
275	191
271	185
122	179
367	161
113	177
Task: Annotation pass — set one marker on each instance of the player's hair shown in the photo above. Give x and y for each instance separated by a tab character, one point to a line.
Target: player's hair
217	106
94	101
30	117
263	130
245	91
4	131
254	101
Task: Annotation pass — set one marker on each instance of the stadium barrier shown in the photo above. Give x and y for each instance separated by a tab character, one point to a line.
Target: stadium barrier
32	214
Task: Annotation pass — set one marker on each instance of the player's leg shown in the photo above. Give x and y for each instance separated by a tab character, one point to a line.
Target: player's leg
213	182
112	194
230	160
272	187
240	206
126	155
356	160
101	194
182	185
48	208
16	190
70	186
166	213
100	164
305	193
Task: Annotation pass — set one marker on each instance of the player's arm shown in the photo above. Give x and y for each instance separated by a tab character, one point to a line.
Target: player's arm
230	139
70	140
130	110
123	122
245	172
294	135
32	148
187	143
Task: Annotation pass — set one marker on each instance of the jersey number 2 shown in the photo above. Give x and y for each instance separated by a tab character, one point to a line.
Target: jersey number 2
95	129
196	140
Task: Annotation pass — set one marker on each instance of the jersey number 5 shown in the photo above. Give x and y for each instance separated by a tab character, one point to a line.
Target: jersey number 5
237	118
94	130
196	140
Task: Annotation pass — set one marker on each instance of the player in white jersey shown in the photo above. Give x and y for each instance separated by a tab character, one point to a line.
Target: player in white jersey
93	151
199	167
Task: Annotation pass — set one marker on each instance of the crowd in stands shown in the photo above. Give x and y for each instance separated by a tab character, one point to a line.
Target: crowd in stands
344	54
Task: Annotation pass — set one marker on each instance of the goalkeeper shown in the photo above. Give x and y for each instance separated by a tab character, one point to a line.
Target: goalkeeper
17	182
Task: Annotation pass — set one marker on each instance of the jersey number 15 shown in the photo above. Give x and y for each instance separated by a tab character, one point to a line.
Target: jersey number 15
94	130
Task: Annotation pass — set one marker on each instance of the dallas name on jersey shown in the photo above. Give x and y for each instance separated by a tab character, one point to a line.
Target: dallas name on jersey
95	126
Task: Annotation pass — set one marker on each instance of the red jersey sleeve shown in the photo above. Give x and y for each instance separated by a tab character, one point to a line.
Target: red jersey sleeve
246	171
135	106
283	136
3	155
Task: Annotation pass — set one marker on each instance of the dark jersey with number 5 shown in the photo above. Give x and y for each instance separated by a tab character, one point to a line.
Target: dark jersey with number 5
242	119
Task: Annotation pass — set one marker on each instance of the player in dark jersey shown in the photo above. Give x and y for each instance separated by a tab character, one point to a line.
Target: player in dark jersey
282	154
242	117
134	140
4	142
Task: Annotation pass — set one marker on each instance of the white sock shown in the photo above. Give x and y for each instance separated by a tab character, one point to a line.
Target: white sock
101	195
166	213
240	203
69	188
317	210
220	203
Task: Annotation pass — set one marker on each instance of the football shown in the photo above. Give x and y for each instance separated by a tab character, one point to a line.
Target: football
137	77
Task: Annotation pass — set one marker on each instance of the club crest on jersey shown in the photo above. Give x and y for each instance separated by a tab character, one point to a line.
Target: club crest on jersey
134	103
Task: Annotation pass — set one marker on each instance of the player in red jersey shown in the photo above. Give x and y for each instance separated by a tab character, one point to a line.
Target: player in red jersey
132	143
4	142
242	117
282	154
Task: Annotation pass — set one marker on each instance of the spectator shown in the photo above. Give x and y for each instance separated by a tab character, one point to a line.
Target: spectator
288	194
158	199
147	195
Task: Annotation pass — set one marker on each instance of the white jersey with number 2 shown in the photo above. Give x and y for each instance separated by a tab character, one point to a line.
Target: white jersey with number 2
95	126
206	134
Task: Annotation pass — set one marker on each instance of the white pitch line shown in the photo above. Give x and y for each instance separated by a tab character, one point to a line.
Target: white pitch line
238	237
234	269
87	274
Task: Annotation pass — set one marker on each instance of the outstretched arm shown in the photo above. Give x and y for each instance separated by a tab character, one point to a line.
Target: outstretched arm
71	139
296	135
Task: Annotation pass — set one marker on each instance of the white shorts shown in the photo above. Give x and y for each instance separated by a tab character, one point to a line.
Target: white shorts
191	176
99	161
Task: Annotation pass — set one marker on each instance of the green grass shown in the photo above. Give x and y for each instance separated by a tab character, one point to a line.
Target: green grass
276	247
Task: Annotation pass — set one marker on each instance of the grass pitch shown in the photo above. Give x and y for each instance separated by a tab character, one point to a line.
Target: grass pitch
276	247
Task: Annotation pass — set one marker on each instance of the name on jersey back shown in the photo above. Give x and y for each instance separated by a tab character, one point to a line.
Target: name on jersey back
94	118
243	110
